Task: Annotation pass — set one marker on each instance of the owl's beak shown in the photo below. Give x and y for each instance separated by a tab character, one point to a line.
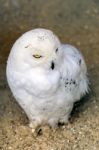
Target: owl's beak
52	65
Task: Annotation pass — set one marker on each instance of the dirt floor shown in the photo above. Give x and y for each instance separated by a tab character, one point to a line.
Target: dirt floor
76	22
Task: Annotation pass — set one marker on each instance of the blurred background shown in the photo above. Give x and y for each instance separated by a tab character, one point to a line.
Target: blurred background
76	22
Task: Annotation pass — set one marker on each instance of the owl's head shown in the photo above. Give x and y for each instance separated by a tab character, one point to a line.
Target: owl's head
38	48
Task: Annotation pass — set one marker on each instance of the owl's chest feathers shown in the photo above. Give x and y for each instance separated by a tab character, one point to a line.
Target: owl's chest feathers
37	83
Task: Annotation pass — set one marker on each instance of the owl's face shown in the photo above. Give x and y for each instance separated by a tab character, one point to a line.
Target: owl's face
41	48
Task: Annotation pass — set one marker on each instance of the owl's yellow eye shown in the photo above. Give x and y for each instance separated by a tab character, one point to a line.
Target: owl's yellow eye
37	56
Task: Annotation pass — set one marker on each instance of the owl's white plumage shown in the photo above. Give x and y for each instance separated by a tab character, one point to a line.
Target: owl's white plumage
46	87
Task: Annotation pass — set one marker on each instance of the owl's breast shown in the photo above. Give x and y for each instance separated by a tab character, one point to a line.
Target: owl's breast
41	84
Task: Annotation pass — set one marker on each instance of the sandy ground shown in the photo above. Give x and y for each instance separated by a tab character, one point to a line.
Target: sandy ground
77	23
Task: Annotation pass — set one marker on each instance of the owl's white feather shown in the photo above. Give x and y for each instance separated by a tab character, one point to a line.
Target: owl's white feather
46	87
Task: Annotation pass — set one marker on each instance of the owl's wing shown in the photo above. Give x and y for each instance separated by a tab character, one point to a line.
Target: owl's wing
74	60
74	72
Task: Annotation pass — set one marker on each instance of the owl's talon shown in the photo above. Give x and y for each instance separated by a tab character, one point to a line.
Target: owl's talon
35	128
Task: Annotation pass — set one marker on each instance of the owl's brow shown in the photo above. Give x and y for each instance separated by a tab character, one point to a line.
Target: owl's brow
27	45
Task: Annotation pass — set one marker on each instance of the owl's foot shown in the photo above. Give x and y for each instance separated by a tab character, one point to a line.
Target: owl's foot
63	121
36	129
53	123
34	124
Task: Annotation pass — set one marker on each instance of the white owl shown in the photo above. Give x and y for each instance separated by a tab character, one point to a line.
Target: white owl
46	77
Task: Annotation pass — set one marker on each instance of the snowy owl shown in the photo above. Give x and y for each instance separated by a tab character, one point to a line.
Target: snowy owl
46	77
